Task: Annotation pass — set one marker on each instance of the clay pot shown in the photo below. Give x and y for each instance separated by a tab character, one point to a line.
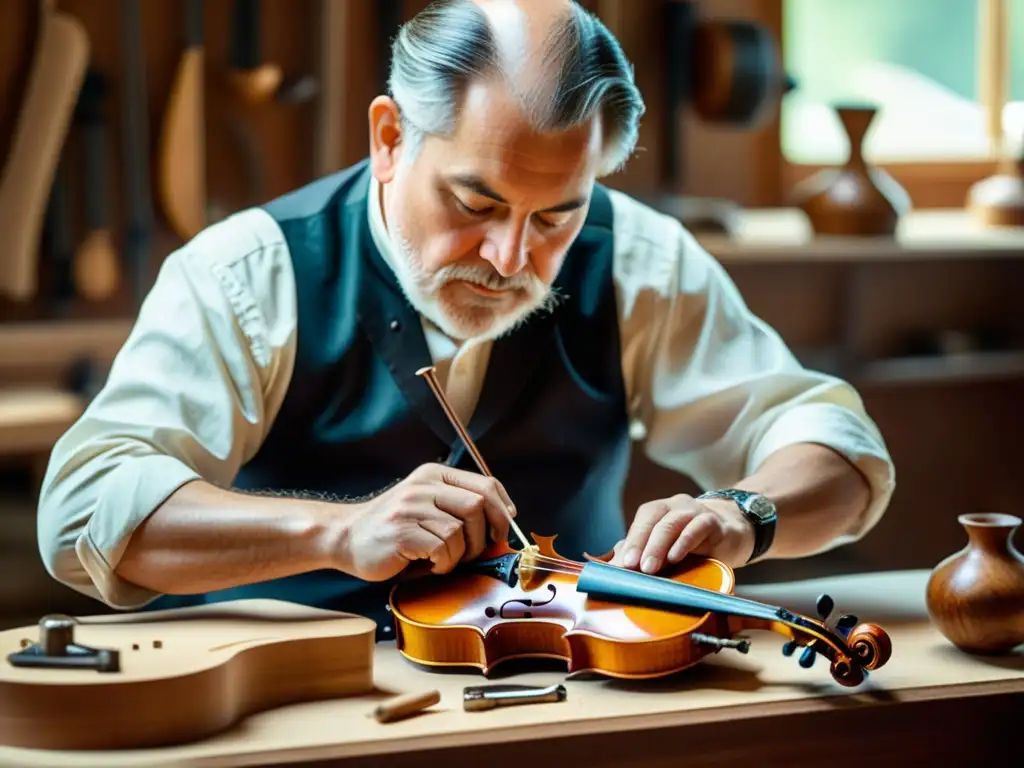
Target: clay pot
856	199
976	596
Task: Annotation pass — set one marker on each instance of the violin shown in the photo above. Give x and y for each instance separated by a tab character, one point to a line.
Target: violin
602	619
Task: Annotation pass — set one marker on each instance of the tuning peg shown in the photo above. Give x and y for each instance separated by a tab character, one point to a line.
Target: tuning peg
807	658
789	647
846	622
825	606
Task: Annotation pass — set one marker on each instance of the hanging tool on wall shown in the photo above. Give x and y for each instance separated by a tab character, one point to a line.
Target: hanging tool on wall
181	160
255	83
729	72
332	26
58	68
251	78
137	194
59	242
97	268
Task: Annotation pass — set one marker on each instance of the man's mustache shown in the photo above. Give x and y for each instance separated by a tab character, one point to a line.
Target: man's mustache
488	278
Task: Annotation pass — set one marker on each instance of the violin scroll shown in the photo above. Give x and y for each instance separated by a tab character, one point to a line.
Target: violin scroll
871	644
850	645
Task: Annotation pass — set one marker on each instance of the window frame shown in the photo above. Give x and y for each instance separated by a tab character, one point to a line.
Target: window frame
930	183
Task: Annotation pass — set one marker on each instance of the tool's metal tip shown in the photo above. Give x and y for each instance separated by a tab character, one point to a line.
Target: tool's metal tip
425	370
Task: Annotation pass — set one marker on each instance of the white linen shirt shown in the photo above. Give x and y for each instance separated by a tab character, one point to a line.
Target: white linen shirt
711	389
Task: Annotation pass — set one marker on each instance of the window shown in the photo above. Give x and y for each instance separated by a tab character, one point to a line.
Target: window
918	61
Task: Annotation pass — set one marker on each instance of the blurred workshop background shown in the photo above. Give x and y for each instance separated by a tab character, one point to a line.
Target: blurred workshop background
858	167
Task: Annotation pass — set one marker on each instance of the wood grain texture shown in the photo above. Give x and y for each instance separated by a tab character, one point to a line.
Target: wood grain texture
184	674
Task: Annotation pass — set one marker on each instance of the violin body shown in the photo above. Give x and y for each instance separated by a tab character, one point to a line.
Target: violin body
476	618
479	621
160	678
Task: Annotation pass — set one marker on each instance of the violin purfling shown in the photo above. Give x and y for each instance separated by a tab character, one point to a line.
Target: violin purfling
603	619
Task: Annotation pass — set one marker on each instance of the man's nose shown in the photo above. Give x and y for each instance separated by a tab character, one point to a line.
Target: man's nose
508	253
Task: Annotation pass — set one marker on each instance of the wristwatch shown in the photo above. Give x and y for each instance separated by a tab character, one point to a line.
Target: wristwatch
758	510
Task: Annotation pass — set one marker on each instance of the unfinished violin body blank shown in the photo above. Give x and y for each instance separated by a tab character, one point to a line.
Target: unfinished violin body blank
169	677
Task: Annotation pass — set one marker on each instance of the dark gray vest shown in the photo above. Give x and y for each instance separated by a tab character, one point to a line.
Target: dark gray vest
551	421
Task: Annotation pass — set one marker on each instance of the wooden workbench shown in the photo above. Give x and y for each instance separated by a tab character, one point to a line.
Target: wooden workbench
930	703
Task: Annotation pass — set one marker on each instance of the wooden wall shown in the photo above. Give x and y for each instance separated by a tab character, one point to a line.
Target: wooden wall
718	162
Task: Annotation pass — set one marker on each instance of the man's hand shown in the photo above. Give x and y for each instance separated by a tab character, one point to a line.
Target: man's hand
665	531
438	514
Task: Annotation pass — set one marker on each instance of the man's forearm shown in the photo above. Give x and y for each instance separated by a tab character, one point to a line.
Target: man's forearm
204	538
819	496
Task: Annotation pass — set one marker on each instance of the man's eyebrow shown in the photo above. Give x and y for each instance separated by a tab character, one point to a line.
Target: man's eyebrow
478	185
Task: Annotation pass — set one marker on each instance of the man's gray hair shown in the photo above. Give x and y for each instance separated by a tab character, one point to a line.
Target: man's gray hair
437	53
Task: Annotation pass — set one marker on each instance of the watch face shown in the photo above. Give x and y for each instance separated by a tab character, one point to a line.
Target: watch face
762	508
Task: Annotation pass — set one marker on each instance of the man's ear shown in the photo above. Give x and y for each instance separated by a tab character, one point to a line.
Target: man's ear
385	138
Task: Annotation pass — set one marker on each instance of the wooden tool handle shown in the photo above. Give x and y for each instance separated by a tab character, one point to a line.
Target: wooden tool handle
135	149
255	81
333	23
58	68
97	272
405	705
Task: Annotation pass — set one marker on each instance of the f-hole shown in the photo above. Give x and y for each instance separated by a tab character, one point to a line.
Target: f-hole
490	612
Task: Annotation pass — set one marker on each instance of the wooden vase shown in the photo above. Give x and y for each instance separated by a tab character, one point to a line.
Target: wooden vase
856	199
998	201
976	596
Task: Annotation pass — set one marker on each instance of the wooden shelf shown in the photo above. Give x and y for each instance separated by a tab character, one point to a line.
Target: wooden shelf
60	342
32	419
969	367
785	235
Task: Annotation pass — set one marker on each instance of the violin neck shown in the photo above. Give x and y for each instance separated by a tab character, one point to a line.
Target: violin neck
608	583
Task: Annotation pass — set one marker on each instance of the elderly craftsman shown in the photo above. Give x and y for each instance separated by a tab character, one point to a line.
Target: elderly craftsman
263	432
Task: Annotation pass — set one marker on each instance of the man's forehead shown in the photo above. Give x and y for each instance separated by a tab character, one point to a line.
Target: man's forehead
491	123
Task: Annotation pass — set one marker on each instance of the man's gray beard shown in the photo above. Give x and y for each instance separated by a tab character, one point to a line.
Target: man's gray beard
422	290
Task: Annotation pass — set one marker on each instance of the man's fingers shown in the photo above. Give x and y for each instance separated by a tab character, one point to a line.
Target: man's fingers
662	537
617	550
647	517
467	507
498	506
418	543
702	529
452	544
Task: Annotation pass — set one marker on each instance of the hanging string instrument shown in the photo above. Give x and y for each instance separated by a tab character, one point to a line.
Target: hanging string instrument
603	619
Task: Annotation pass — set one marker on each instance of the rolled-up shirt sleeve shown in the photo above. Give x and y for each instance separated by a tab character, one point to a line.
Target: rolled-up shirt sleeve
191	395
713	390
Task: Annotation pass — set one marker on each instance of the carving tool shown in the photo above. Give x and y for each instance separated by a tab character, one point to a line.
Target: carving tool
96	268
135	143
480	698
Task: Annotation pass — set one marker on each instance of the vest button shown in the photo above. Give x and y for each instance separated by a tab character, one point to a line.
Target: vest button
395	325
